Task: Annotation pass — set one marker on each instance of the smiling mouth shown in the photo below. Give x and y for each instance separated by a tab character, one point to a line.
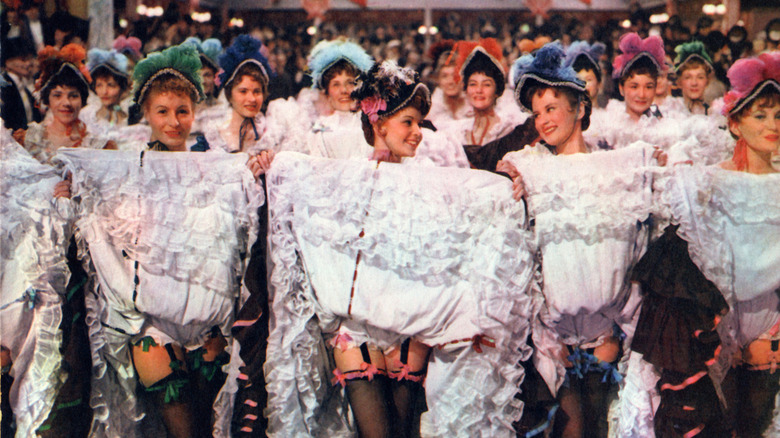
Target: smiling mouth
549	131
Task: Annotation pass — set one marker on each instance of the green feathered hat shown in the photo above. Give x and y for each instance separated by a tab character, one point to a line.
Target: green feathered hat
181	61
689	51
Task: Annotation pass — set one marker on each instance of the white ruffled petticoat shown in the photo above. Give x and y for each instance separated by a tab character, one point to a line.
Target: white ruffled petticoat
33	279
731	221
339	135
444	258
183	223
589	211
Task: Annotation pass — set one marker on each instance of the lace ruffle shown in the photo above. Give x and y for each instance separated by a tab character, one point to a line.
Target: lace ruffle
288	125
33	275
189	220
709	203
632	414
472	231
588	197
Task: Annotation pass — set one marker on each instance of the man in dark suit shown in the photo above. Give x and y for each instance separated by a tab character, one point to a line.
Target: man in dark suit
18	105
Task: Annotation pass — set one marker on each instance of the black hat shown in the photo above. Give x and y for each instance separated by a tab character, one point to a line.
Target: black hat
16	47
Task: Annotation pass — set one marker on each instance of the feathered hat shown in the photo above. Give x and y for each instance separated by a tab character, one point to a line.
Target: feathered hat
327	53
484	50
634	48
208	50
111	60
581	50
68	60
181	61
688	51
386	88
244	50
546	66
530	46
128	46
442	53
749	77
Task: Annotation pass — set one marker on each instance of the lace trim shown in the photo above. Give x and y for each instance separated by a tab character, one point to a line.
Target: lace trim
428	247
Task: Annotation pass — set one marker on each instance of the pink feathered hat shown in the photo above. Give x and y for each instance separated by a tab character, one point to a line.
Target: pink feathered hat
633	48
748	79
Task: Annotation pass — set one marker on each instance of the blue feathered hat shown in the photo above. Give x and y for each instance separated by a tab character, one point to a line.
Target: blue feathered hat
244	50
583	50
326	53
111	60
208	50
547	67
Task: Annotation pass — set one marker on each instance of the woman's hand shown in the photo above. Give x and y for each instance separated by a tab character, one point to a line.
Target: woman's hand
660	157
260	163
62	188
507	168
518	186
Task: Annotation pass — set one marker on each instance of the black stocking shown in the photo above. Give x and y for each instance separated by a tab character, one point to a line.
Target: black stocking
755	400
405	394
176	412
368	400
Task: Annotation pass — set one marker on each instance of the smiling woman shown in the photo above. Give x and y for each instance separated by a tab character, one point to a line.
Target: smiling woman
335	66
63	86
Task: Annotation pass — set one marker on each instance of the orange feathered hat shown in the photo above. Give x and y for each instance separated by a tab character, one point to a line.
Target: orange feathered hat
53	61
468	51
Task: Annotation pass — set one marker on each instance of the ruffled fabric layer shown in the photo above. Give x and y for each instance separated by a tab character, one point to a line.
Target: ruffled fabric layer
42	149
592	205
440	149
420	229
182	224
339	135
288	126
730	221
33	275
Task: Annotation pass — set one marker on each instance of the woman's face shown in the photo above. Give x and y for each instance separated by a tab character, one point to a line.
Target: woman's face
207	74
247	97
692	82
481	91
170	115
447	82
108	90
339	90
554	117
760	128
403	133
639	92
65	104
591	83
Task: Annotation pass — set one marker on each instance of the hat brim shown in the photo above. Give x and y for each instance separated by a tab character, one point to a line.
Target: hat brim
758	89
689	58
528	79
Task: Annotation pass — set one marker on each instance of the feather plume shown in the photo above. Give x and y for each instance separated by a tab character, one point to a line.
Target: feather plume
633	47
183	58
747	76
131	45
387	87
546	66
244	48
111	59
327	53
440	48
693	49
52	61
467	51
581	48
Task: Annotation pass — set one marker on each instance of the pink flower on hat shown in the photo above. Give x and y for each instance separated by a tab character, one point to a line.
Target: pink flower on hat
371	107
